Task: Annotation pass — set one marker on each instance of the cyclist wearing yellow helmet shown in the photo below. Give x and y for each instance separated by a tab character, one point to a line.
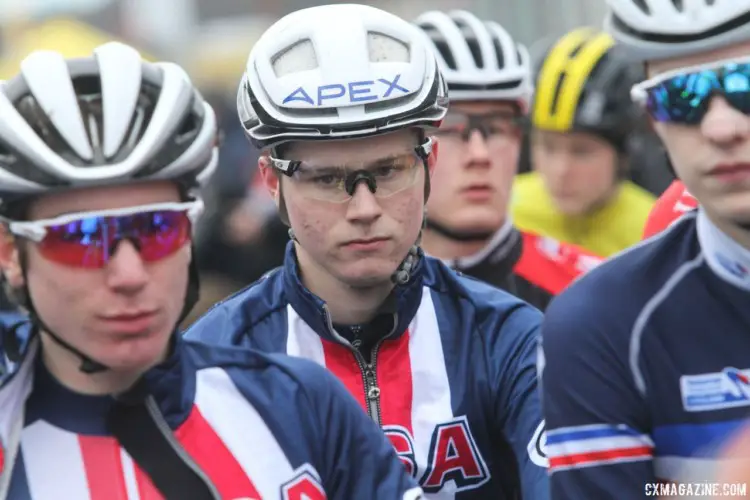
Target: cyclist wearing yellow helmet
581	119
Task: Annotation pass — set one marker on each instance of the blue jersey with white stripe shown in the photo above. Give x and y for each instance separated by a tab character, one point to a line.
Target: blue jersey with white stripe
453	386
255	425
646	364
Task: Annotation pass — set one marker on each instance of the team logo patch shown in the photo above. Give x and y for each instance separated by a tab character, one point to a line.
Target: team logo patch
729	388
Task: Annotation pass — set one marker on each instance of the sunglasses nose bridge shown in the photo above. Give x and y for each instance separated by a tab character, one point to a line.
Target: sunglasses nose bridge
113	243
114	232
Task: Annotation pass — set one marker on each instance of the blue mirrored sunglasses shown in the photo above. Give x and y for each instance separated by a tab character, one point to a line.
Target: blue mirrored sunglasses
683	96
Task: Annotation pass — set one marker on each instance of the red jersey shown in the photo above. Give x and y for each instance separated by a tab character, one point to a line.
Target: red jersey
552	264
674	202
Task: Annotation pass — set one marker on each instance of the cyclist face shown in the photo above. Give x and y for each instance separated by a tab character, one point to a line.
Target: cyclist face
712	158
579	170
359	239
473	178
121	313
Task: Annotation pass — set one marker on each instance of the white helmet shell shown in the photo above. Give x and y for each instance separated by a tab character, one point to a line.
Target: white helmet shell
662	29
479	59
103	120
339	71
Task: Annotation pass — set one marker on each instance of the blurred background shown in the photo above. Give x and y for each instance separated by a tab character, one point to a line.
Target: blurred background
240	238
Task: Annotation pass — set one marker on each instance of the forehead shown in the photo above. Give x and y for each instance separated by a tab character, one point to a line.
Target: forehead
574	138
484	107
361	150
740	50
103	198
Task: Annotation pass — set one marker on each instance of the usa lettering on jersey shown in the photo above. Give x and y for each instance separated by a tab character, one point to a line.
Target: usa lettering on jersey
304	486
453	462
346	93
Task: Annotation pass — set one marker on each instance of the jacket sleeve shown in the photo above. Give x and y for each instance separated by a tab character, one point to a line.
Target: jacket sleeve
598	442
518	410
356	460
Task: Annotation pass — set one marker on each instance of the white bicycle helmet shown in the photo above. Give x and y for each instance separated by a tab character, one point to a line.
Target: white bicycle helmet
108	119
661	29
336	72
479	59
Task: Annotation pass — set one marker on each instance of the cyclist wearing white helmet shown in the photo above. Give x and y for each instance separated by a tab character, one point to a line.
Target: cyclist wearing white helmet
468	224
99	159
647	370
341	99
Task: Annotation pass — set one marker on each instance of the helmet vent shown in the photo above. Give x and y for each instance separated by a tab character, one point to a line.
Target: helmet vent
295	58
641	4
384	48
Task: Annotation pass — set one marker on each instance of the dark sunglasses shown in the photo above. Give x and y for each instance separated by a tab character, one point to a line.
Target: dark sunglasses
683	96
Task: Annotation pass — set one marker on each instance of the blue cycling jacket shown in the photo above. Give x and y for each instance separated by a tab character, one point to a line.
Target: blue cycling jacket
452	384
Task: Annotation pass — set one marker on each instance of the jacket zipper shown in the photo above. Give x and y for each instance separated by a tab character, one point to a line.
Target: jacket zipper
367	370
163	427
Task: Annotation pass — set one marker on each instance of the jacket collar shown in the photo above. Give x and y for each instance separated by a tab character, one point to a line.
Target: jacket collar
403	303
15	388
171	383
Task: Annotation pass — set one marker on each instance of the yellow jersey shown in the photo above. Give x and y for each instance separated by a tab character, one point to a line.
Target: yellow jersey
612	228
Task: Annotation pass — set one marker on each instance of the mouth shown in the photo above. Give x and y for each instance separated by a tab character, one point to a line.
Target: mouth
129	322
478	187
731	172
366	243
128	316
478	192
563	194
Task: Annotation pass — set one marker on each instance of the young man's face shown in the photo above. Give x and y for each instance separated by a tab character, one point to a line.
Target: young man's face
579	170
473	179
122	314
712	158
361	238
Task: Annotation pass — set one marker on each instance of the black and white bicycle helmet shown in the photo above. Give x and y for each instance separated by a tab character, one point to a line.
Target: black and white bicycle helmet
302	83
479	59
661	29
108	119
105	120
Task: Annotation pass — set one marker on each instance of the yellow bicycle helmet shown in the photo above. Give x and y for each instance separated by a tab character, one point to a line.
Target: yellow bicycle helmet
583	84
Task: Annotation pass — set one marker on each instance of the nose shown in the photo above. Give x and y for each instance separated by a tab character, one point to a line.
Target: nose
723	125
477	151
557	166
363	208
126	270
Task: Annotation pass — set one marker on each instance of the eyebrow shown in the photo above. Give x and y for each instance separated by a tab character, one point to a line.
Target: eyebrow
374	163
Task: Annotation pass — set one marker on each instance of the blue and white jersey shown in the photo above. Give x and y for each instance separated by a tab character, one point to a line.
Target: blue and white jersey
646	364
257	426
453	386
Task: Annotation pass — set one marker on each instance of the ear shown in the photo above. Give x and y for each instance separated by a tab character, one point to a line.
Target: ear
432	159
10	264
269	176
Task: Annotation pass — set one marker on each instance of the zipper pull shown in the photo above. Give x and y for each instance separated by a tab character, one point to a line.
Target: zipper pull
373	391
